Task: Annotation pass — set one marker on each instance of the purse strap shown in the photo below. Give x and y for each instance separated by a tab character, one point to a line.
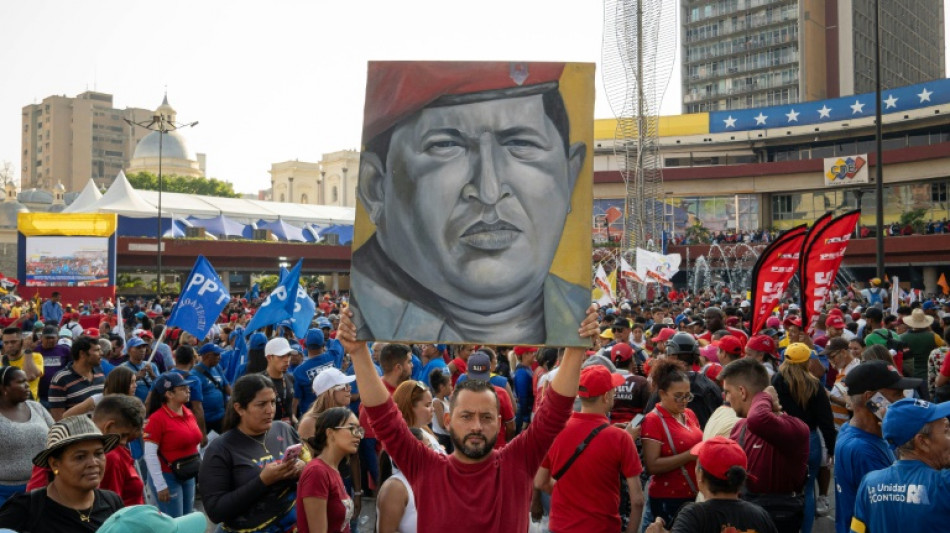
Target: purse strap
669	440
580	448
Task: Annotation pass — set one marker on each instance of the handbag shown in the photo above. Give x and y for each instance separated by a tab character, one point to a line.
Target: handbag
669	440
185	468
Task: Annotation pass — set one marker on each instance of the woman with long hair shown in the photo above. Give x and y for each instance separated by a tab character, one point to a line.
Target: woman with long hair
414	401
121	380
171	438
803	397
668	433
323	501
247	480
24	425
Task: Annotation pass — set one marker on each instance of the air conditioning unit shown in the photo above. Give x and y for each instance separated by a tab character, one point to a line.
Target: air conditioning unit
262	235
332	239
195	233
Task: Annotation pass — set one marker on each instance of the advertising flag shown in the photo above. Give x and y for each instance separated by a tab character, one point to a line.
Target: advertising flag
628	273
280	304
656	267
772	273
201	300
304	309
602	286
823	255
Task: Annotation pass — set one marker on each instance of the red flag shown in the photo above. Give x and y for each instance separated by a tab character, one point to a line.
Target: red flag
772	272
822	255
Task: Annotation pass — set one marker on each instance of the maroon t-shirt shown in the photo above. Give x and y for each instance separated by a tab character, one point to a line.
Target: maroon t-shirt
320	480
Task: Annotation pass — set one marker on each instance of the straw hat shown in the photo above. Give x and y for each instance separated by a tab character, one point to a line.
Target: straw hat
70	431
918	319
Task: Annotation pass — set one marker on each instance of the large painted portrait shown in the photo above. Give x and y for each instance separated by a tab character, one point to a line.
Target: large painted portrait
475	199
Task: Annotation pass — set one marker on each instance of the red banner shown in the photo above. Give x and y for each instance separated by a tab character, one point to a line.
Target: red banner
822	255
773	270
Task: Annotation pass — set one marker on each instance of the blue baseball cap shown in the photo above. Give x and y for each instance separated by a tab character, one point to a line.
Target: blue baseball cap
168	381
928	305
314	338
208	348
134	342
324	322
905	418
257	341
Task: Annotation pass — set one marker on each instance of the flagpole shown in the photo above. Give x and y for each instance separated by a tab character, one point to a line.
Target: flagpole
161	338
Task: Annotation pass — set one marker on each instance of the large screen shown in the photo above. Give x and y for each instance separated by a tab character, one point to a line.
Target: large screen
67	261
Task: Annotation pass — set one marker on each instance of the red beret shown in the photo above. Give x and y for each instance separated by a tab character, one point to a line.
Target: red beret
397	89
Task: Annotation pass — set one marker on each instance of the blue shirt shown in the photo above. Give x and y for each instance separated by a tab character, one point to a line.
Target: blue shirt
857	452
524	390
52	311
142	385
304	376
416	367
193	385
908	496
212	392
436	363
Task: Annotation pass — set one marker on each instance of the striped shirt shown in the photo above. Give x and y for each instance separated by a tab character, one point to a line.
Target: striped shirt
68	388
842	414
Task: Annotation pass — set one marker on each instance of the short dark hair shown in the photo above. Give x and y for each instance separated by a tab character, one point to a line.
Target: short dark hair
12	330
331	418
735	478
242	393
473	385
747	371
82	344
437	378
392	355
184	355
124	409
667	372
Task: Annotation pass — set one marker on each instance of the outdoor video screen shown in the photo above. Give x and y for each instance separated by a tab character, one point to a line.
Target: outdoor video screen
67	261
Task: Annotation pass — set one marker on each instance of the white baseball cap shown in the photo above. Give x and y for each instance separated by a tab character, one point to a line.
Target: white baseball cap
329	378
277	346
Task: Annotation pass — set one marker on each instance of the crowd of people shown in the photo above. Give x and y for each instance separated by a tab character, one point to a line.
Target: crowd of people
676	417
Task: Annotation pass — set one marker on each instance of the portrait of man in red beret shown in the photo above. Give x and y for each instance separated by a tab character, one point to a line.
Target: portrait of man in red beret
468	178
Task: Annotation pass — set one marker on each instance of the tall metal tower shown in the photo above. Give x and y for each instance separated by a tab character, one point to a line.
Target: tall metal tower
638	50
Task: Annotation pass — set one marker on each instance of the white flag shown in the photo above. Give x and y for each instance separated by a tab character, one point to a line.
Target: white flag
602	285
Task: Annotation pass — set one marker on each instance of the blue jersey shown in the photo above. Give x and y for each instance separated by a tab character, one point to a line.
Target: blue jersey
212	392
857	453
908	496
143	384
435	363
304	376
416	367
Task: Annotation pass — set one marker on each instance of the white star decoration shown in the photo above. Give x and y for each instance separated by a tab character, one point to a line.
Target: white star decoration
924	95
730	122
857	107
792	115
890	101
824	112
760	119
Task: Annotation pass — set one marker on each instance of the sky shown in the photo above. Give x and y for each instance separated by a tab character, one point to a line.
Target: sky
275	81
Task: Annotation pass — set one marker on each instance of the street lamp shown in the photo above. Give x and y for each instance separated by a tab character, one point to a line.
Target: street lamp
163	124
878	136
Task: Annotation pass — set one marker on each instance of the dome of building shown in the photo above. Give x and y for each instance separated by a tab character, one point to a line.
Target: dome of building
56	208
9	212
35	196
173	147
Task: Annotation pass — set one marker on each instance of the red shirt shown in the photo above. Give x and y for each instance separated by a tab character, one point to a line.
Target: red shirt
777	447
122	478
490	495
945	367
461	367
506	411
177	436
672	484
364	420
587	498
319	480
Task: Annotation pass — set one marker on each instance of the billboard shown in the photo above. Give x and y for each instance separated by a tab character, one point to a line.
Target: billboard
847	170
67	261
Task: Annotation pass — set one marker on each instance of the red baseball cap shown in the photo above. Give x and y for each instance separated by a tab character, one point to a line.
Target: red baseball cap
835	321
762	343
664	335
91	332
792	320
397	89
521	350
718	454
773	322
621	352
836	311
597	381
730	344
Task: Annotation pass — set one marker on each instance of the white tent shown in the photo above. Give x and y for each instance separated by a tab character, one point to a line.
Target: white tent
122	199
87	197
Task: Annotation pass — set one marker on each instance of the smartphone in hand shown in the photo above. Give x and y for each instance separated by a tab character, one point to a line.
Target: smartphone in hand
292	453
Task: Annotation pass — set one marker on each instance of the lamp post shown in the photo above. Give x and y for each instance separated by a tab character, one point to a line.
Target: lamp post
879	134
163	124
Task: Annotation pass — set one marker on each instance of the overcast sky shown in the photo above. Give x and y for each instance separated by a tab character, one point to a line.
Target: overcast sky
273	81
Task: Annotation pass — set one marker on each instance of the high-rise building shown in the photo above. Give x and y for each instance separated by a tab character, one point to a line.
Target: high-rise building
739	54
70	140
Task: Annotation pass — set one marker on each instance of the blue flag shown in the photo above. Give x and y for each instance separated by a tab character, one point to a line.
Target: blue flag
201	300
280	304
237	358
255	292
304	309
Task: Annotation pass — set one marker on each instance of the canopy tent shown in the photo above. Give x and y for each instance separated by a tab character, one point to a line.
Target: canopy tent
87	197
344	232
284	231
223	227
122	199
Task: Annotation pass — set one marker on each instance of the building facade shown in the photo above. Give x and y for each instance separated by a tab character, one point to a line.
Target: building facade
741	54
332	181
71	140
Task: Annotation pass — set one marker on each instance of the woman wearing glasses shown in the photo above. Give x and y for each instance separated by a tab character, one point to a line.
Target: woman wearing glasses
247	481
668	433
322	500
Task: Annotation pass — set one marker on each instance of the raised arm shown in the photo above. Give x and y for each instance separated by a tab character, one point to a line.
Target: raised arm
372	390
569	373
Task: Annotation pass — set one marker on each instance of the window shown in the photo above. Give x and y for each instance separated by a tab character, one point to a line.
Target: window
938	192
781	206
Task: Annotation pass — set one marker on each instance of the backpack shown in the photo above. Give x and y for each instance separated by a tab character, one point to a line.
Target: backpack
892	342
874	296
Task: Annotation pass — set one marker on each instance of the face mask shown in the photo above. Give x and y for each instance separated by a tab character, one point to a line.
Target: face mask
878	405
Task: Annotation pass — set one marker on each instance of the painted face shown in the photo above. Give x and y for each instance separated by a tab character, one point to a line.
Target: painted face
475	195
474	423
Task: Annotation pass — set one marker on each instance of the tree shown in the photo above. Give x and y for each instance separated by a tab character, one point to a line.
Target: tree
204	186
698	233
6	172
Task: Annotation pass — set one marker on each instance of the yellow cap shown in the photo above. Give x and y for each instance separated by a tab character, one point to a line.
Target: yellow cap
798	353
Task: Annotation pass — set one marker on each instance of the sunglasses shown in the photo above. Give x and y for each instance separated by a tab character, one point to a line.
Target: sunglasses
356	431
344	387
683	398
